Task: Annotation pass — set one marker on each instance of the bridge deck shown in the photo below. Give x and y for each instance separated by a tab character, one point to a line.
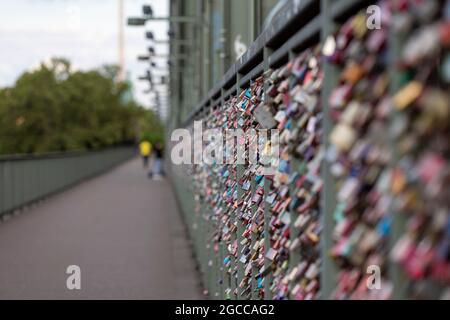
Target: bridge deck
121	229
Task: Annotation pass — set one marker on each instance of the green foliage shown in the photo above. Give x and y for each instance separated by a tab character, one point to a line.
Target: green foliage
151	128
53	109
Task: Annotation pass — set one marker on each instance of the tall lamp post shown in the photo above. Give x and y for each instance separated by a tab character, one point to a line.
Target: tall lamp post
148	16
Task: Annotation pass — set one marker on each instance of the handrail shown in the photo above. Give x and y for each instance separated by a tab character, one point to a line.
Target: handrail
255	72
25	179
54	154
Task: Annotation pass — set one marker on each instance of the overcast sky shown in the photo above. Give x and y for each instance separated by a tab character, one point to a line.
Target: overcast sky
84	31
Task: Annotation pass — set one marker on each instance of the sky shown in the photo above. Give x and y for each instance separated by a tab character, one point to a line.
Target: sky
83	31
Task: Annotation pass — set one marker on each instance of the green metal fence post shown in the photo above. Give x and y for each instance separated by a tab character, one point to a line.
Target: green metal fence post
396	273
267	263
222	249
24	179
294	256
2	187
328	201
253	280
240	193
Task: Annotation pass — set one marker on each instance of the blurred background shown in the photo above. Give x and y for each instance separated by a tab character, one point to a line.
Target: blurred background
90	91
70	77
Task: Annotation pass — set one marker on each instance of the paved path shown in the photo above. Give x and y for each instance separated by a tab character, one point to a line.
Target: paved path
121	229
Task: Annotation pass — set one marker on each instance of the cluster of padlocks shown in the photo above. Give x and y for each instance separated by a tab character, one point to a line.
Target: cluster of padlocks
370	158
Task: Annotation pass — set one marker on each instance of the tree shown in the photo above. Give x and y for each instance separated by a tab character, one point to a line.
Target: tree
55	109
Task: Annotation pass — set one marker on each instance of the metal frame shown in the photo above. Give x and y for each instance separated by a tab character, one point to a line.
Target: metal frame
295	28
284	25
25	179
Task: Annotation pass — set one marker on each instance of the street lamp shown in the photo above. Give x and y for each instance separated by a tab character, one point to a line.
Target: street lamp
150	36
172	56
147	10
147	77
163	56
148	16
136	21
143	58
152	63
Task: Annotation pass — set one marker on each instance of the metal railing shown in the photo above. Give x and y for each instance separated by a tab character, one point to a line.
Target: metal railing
27	178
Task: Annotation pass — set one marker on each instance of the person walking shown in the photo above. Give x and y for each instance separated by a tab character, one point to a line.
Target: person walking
157	169
145	149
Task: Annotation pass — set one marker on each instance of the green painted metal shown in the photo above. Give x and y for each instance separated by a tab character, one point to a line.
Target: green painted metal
28	178
294	256
267	50
396	274
254	282
267	263
222	247
240	168
328	201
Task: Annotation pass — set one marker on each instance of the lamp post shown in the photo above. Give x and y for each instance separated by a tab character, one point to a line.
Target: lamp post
153	65
182	42
148	16
140	21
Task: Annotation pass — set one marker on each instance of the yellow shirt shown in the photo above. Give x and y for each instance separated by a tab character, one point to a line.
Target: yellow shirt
145	148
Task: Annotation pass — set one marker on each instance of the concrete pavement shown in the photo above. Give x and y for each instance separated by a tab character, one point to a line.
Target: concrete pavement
122	229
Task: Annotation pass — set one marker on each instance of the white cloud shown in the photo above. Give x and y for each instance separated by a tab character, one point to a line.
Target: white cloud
84	31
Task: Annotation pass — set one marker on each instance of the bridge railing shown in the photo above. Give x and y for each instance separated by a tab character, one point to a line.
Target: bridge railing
27	178
298	26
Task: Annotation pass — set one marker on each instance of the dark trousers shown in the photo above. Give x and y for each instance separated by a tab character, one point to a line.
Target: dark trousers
145	161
